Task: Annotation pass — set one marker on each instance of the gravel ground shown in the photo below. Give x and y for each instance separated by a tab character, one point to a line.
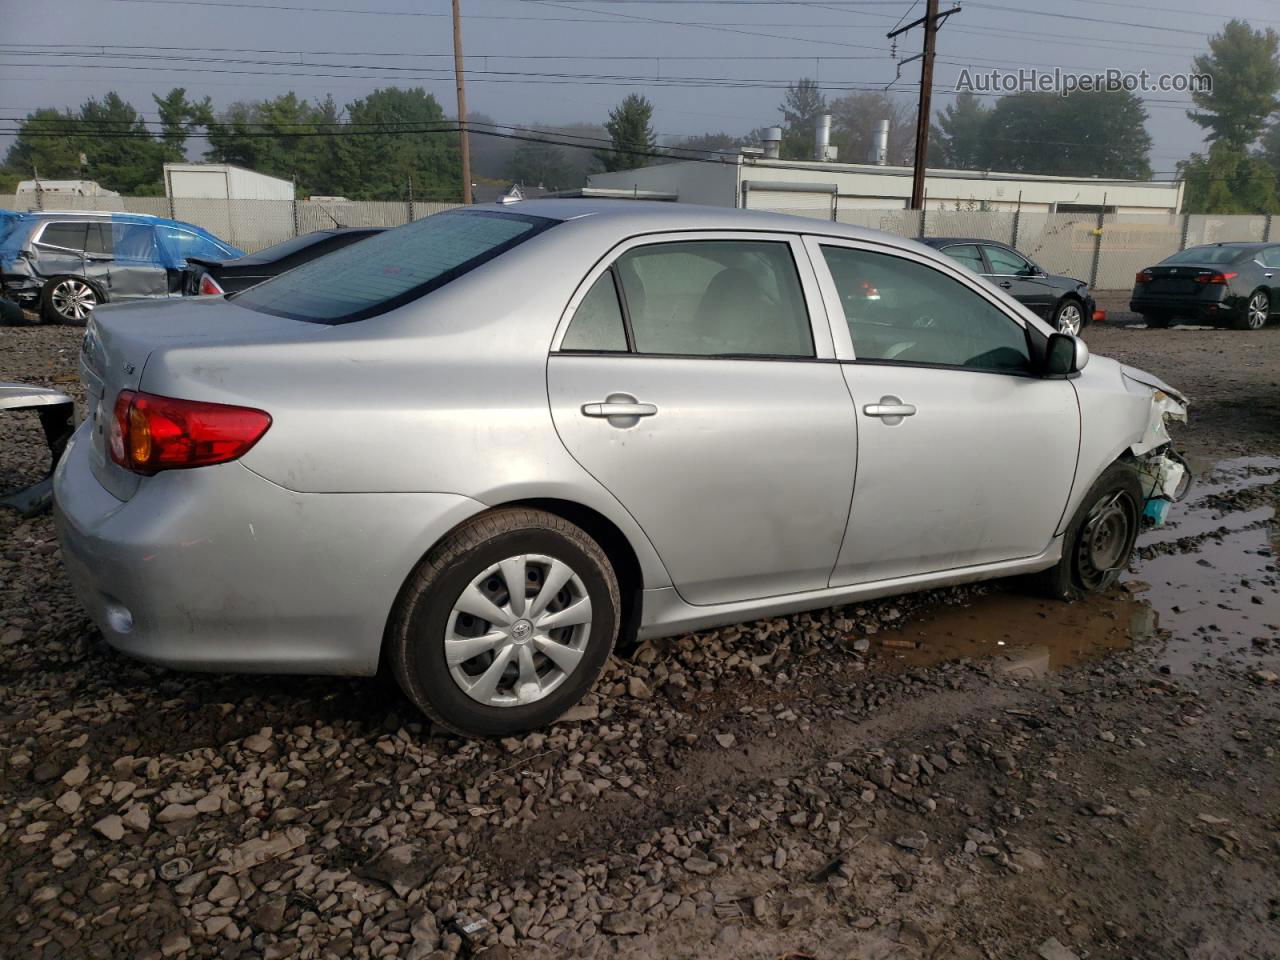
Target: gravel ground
894	779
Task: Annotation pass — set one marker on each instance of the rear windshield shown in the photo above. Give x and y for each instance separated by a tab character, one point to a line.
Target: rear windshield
1212	254
391	268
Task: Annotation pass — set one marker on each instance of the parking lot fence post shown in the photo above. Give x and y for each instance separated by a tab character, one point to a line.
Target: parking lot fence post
1266	229
1017	220
1097	243
408	203
924	208
1186	230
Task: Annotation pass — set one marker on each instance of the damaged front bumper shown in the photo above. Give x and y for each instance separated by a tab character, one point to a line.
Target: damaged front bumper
1163	472
55	411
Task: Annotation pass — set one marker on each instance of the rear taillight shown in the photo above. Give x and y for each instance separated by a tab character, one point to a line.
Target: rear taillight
151	433
209	287
1143	276
1215	277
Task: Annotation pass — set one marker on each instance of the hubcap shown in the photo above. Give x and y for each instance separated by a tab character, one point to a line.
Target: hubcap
73	300
518	630
1105	539
1258	309
1069	319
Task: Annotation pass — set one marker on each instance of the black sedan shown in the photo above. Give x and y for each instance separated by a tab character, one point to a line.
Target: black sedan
1237	284
206	277
1065	302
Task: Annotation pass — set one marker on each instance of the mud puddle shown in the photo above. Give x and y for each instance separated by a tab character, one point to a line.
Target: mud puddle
1206	583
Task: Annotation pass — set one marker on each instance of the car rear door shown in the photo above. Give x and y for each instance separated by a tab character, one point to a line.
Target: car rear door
136	270
693	376
1011	271
59	248
965	456
1270	260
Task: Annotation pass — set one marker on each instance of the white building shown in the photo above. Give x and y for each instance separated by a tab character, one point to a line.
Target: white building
822	189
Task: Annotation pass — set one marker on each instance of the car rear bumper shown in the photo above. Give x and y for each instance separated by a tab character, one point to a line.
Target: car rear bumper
1209	309
220	569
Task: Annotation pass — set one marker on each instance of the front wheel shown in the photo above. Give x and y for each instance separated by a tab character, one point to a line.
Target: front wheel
1256	310
67	300
1099	539
505	624
1069	317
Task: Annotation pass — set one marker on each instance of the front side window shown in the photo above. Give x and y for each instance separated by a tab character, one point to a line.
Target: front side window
716	298
69	236
908	312
392	268
967	254
1271	257
1006	262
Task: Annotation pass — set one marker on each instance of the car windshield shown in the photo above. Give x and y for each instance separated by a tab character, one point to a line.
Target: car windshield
392	268
1213	254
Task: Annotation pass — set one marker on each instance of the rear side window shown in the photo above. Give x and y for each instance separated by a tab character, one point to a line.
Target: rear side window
967	254
134	241
67	235
1271	257
597	323
392	268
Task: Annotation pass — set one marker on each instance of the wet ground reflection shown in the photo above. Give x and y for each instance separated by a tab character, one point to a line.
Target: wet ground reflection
1206	583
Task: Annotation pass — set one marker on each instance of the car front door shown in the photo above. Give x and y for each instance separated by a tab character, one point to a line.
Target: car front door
1013	272
965	455
136	270
694	377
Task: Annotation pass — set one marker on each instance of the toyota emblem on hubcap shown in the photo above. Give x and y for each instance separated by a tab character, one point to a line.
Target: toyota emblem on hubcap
521	631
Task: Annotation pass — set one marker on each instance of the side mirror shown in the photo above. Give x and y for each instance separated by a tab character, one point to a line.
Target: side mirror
1065	355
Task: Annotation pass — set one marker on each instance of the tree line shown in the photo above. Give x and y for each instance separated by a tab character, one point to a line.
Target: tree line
362	151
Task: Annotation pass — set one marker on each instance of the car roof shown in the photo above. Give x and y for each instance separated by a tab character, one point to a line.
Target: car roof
627	217
937	241
1237	244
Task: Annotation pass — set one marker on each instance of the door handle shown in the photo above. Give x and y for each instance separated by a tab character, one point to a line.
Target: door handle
890	409
1005	284
616	409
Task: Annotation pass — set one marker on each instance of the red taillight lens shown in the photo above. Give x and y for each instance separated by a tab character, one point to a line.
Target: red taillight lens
1143	276
151	433
209	287
1215	277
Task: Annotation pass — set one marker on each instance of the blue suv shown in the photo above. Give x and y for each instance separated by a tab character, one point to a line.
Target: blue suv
65	263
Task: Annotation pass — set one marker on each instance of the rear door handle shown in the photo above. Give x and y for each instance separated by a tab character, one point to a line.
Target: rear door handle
890	409
1005	284
614	409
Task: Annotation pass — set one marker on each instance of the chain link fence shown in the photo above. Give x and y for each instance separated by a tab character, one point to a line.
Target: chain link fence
248	224
1104	250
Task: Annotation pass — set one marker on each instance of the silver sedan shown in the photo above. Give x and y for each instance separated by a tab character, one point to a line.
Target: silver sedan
483	447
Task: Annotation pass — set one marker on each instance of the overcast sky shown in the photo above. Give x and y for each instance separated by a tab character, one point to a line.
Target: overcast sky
556	61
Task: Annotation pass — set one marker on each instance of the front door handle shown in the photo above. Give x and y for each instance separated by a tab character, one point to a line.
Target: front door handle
620	409
890	409
1005	284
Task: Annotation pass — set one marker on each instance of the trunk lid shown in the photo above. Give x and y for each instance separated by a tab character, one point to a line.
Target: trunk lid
119	340
1180	279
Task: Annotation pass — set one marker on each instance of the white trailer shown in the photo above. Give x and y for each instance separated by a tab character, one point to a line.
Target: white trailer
248	209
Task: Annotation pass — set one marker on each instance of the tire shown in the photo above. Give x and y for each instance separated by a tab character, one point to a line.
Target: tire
472	557
1157	321
1078	572
67	300
1253	315
1069	311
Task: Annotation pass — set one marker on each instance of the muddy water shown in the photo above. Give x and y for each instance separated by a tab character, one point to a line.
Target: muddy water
1205	584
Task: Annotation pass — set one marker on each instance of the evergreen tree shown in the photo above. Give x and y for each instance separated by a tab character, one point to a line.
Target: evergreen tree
958	140
47	145
1099	134
179	118
801	107
539	164
1229	180
630	135
1245	68
121	152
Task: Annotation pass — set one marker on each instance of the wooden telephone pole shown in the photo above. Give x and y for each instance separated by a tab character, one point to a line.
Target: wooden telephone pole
462	103
931	20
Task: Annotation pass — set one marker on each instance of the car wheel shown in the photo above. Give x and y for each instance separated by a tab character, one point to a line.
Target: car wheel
1256	310
1157	321
67	300
1100	537
1069	317
505	624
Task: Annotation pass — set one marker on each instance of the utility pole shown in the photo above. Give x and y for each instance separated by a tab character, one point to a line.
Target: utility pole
931	20
462	103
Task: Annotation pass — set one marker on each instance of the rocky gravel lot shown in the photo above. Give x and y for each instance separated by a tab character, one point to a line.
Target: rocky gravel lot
900	779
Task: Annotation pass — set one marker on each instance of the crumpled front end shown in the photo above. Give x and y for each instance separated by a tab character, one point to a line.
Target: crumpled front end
1165	474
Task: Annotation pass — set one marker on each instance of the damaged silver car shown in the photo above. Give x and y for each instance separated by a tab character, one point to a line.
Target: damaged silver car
484	446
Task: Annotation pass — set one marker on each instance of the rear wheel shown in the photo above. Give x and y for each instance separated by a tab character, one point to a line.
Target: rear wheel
1256	310
1157	321
505	624
1099	539
67	300
1069	317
